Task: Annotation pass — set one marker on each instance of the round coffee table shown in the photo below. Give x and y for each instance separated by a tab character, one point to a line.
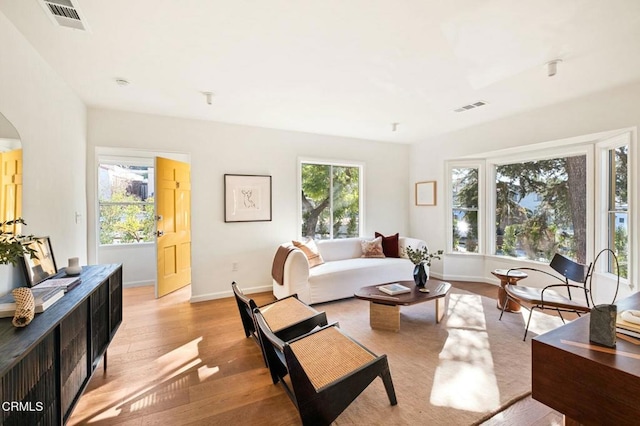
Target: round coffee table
508	276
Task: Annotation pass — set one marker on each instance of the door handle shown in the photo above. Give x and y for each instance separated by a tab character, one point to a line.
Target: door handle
159	233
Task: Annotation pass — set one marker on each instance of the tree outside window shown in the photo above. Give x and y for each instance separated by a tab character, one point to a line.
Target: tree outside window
330	200
618	209
126	208
541	209
465	209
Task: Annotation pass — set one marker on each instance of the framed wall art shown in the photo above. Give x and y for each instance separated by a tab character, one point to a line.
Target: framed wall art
247	198
426	193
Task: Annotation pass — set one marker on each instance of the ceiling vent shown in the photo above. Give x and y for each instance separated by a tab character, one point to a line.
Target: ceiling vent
64	13
477	104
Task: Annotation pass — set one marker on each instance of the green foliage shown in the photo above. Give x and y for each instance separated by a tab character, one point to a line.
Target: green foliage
561	201
320	212
421	255
126	219
11	247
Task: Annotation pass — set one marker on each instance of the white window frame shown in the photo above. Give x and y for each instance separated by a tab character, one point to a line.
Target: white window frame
534	154
338	163
117	161
469	164
602	208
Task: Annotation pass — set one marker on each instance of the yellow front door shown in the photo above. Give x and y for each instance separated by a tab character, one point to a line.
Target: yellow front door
11	196
173	235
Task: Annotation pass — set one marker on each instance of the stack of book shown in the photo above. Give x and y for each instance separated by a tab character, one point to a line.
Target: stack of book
629	326
44	297
394	288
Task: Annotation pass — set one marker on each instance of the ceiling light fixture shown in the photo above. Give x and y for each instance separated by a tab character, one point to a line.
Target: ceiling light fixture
552	67
122	82
209	96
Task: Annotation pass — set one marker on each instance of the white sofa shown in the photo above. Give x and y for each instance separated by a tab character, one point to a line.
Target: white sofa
343	272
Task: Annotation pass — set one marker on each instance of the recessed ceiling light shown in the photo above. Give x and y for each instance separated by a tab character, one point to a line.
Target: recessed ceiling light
122	82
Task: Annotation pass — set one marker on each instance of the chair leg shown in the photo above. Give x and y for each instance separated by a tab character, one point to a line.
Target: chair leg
388	386
504	305
561	317
526	329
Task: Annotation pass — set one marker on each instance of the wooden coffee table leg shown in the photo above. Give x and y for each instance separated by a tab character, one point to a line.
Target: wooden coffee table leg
384	317
441	308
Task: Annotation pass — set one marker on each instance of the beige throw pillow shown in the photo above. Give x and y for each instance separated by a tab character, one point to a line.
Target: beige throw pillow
310	250
372	248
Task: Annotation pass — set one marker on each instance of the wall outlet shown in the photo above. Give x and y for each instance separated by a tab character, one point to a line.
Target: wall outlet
234	267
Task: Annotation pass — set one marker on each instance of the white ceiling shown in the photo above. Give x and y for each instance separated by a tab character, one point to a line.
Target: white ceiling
339	67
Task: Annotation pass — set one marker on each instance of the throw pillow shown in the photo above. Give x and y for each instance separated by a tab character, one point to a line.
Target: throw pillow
390	245
372	248
310	249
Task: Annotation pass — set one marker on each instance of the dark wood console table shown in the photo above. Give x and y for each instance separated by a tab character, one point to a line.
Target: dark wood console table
588	383
45	367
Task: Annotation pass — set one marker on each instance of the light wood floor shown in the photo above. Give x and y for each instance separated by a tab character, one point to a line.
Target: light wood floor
177	363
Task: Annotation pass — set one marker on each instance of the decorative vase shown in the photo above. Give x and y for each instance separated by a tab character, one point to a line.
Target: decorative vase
74	267
421	274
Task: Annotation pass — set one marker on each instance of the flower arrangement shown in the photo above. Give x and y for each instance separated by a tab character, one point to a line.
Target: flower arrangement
422	255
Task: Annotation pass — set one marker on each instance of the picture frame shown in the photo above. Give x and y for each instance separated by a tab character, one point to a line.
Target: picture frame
43	265
426	193
247	198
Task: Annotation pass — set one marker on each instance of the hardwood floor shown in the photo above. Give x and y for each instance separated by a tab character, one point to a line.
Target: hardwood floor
173	362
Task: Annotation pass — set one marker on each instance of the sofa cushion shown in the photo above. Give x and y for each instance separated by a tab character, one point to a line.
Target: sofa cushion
342	278
340	249
390	244
372	248
310	250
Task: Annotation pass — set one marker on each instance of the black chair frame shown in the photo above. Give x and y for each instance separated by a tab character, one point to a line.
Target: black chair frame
320	406
247	307
570	271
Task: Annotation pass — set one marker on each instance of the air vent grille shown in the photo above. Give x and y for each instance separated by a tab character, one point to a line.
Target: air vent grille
64	13
473	105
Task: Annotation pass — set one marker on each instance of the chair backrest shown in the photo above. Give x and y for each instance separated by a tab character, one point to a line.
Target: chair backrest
246	306
569	269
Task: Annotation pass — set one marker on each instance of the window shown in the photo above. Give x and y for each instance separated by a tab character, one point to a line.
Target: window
331	200
540	208
464	211
126	208
617	208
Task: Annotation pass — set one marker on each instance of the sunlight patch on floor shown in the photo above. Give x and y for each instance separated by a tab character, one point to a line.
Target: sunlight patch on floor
540	322
176	369
465	377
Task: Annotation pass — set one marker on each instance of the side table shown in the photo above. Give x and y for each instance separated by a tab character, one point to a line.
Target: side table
507	276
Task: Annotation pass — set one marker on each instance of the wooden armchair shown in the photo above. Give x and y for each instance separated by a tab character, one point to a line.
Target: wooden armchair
326	368
289	316
549	297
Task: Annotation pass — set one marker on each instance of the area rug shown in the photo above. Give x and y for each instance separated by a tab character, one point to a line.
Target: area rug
458	372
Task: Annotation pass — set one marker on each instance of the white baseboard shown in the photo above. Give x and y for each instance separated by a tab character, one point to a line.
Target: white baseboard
138	284
229	293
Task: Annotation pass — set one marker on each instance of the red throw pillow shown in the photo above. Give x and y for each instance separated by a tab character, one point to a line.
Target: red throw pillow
390	246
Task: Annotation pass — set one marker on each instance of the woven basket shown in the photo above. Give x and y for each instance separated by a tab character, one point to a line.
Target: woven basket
25	307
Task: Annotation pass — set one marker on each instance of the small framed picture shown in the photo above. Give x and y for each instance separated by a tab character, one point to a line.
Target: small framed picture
247	198
426	193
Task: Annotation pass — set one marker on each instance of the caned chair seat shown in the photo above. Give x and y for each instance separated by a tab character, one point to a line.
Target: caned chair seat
327	370
289	317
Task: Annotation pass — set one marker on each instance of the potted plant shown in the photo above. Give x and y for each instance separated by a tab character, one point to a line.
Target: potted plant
12	248
421	258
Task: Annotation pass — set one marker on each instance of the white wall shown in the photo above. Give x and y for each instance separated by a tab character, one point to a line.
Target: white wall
51	121
617	108
216	149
